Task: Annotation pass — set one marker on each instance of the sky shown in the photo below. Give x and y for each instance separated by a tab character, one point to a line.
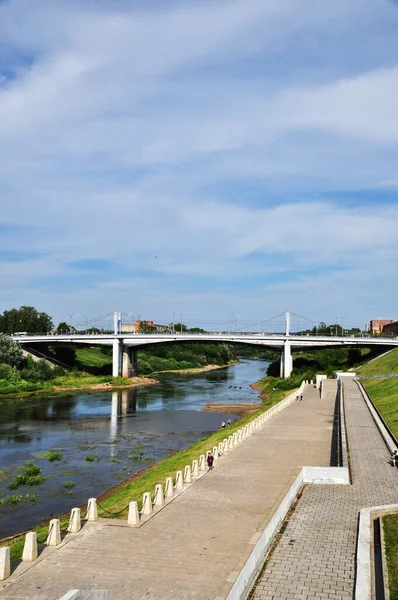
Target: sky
216	161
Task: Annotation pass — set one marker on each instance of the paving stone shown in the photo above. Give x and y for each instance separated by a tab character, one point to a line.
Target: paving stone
330	513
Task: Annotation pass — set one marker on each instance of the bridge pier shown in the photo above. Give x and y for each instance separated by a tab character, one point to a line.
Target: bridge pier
129	368
117	358
286	361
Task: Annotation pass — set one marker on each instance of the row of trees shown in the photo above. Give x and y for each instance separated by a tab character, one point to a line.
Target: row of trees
25	318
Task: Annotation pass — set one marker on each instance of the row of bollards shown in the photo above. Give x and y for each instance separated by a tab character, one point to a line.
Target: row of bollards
173	487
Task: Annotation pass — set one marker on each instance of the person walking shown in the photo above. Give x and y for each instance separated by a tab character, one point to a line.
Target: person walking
229	422
301	396
210	460
223	425
394	459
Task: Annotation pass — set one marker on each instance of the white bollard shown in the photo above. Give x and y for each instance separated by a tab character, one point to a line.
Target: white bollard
187	474
133	517
169	491
179	485
30	552
215	453
75	521
225	445
159	498
202	462
234	440
54	533
92	511
220	448
230	442
146	504
195	469
5	564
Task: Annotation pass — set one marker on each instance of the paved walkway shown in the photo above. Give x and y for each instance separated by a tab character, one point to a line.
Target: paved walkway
200	540
316	555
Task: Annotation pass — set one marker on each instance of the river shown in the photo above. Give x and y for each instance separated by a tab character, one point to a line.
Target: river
122	432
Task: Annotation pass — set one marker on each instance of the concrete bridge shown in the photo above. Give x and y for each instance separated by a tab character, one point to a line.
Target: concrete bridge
125	345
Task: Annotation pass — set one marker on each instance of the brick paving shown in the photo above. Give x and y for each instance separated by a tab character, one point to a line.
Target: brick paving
200	540
315	557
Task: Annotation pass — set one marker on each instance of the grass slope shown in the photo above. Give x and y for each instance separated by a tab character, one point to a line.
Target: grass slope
383	365
390	523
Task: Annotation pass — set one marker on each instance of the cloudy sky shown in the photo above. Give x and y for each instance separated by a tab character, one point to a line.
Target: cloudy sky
199	158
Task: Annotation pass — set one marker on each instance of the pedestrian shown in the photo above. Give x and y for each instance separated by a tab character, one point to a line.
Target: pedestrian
210	460
297	398
394	459
229	422
223	425
220	453
301	396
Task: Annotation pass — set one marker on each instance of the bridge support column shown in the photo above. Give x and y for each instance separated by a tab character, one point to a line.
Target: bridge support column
117	358
129	362
286	361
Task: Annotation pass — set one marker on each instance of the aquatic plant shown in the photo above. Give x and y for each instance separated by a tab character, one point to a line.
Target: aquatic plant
68	484
31	475
50	455
17	498
115	460
90	457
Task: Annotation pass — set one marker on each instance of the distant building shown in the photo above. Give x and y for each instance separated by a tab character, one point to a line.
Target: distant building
377	325
136	327
391	328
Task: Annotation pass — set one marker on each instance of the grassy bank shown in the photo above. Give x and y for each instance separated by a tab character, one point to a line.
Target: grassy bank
385	364
384	393
117	499
70	382
390	523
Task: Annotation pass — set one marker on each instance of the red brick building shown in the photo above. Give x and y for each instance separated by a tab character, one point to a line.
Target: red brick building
377	325
391	328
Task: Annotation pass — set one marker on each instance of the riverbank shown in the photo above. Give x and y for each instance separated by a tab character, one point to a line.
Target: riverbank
70	383
94	383
243	409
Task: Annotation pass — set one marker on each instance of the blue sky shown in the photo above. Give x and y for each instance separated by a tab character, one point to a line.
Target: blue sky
200	158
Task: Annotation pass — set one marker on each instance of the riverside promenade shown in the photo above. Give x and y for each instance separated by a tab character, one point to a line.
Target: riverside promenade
196	546
315	558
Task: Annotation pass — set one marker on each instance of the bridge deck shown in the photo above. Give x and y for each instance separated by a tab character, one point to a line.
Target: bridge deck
200	540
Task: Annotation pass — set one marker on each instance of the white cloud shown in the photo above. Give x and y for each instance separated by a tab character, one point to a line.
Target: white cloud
117	132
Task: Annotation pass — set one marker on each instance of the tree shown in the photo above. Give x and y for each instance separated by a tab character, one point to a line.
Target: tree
25	318
10	351
64	328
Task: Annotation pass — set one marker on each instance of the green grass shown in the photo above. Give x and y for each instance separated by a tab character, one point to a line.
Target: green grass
73	380
68	485
390	523
384	393
146	481
383	365
93	357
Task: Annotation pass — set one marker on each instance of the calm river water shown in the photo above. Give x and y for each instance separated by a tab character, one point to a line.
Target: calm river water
125	431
